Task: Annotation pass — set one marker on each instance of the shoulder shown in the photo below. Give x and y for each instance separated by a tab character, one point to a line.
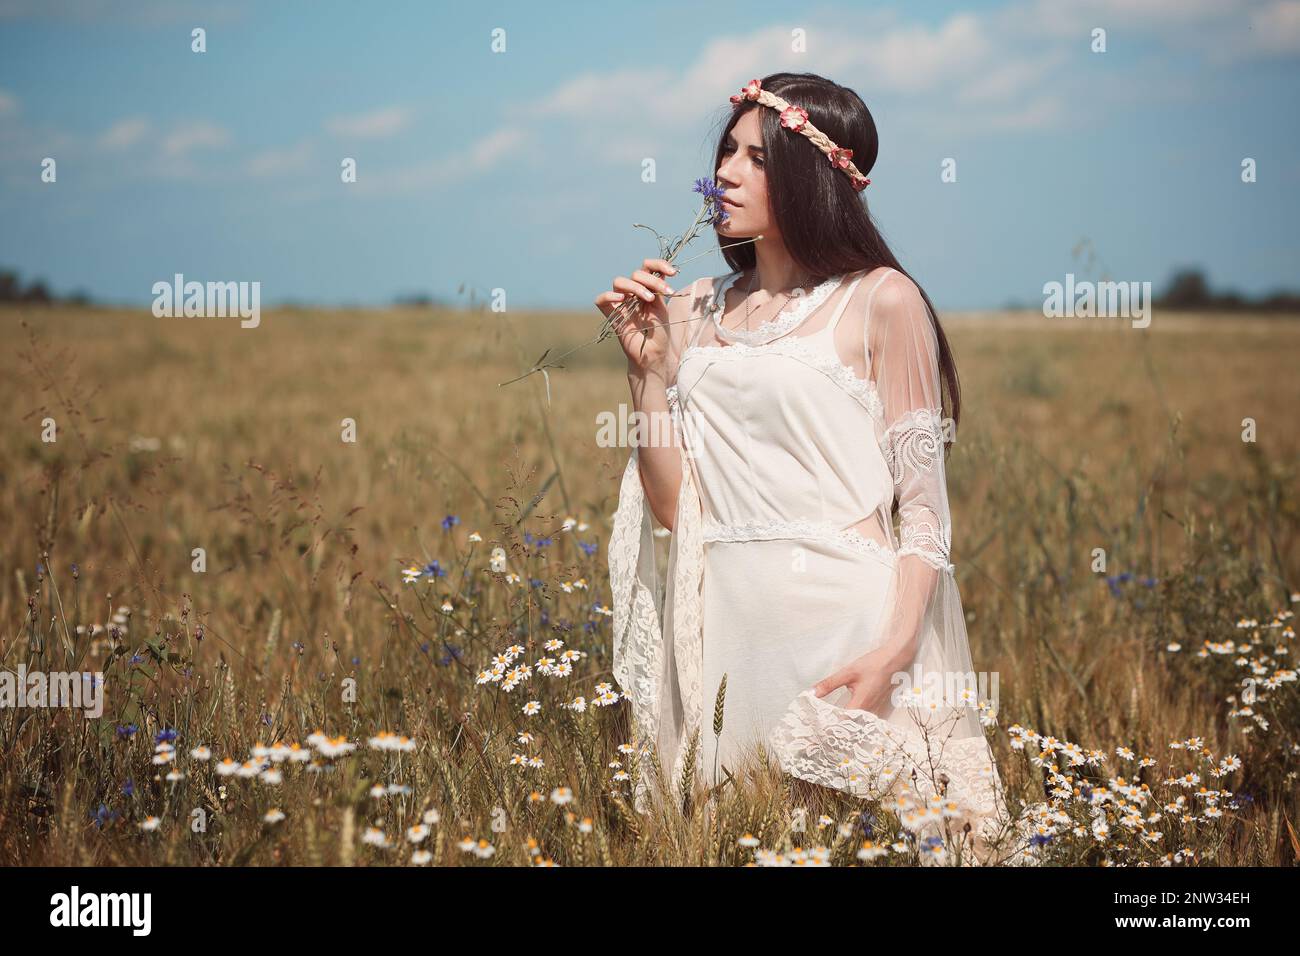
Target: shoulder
901	329
692	302
893	289
882	292
897	301
687	308
692	298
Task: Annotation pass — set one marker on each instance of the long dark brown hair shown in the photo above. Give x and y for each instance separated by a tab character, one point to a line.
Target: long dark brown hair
825	224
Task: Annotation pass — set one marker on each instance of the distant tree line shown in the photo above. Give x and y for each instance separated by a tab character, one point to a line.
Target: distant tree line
1189	289
13	290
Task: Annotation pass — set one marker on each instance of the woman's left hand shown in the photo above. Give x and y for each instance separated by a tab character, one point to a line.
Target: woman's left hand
869	679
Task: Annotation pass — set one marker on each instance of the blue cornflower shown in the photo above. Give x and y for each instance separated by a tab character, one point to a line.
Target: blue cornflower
712	194
166	735
535	582
588	549
709	189
126	731
1148	582
424	648
589	626
356	660
449	521
104	815
1040	839
128	788
136	659
433	570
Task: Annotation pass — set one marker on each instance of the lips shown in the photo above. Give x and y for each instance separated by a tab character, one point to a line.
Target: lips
728	202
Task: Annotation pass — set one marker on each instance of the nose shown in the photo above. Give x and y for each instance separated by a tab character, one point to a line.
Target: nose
722	177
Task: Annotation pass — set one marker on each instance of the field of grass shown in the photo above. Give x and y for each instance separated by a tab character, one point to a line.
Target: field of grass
179	434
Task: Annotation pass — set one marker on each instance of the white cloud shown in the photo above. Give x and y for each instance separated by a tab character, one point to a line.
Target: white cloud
374	125
1007	80
1013	67
914	58
620	115
188	137
1220	32
1043	110
278	162
124	134
496	148
1275	28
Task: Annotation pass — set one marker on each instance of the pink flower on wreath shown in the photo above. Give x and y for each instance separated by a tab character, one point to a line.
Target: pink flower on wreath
793	117
861	182
840	157
749	91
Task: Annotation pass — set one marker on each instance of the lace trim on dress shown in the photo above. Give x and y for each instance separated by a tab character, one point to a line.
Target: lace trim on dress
638	642
858	751
913	446
674	404
926	540
796	528
914	442
863	390
779	324
661	682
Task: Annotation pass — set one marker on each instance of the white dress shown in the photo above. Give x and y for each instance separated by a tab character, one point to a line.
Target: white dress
784	565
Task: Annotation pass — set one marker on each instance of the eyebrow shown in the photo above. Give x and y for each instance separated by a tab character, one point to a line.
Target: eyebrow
752	148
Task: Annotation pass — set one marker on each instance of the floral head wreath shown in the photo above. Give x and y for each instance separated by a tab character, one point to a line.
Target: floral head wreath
796	118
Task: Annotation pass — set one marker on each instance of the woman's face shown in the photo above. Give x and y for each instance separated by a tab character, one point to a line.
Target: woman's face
743	178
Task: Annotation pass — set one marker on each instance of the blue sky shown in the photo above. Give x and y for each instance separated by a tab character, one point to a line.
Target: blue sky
522	170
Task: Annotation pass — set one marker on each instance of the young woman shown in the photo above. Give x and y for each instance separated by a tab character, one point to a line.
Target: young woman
813	395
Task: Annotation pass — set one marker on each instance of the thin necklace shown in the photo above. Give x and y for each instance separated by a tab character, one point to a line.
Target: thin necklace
750	292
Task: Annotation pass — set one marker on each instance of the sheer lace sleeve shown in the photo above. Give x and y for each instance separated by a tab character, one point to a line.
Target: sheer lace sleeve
904	355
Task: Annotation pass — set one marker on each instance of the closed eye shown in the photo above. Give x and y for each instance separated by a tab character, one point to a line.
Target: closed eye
755	154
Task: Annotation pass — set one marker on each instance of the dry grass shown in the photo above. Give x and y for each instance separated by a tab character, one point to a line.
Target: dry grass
1077	435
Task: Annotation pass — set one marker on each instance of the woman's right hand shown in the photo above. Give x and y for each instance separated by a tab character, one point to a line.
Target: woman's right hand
647	351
